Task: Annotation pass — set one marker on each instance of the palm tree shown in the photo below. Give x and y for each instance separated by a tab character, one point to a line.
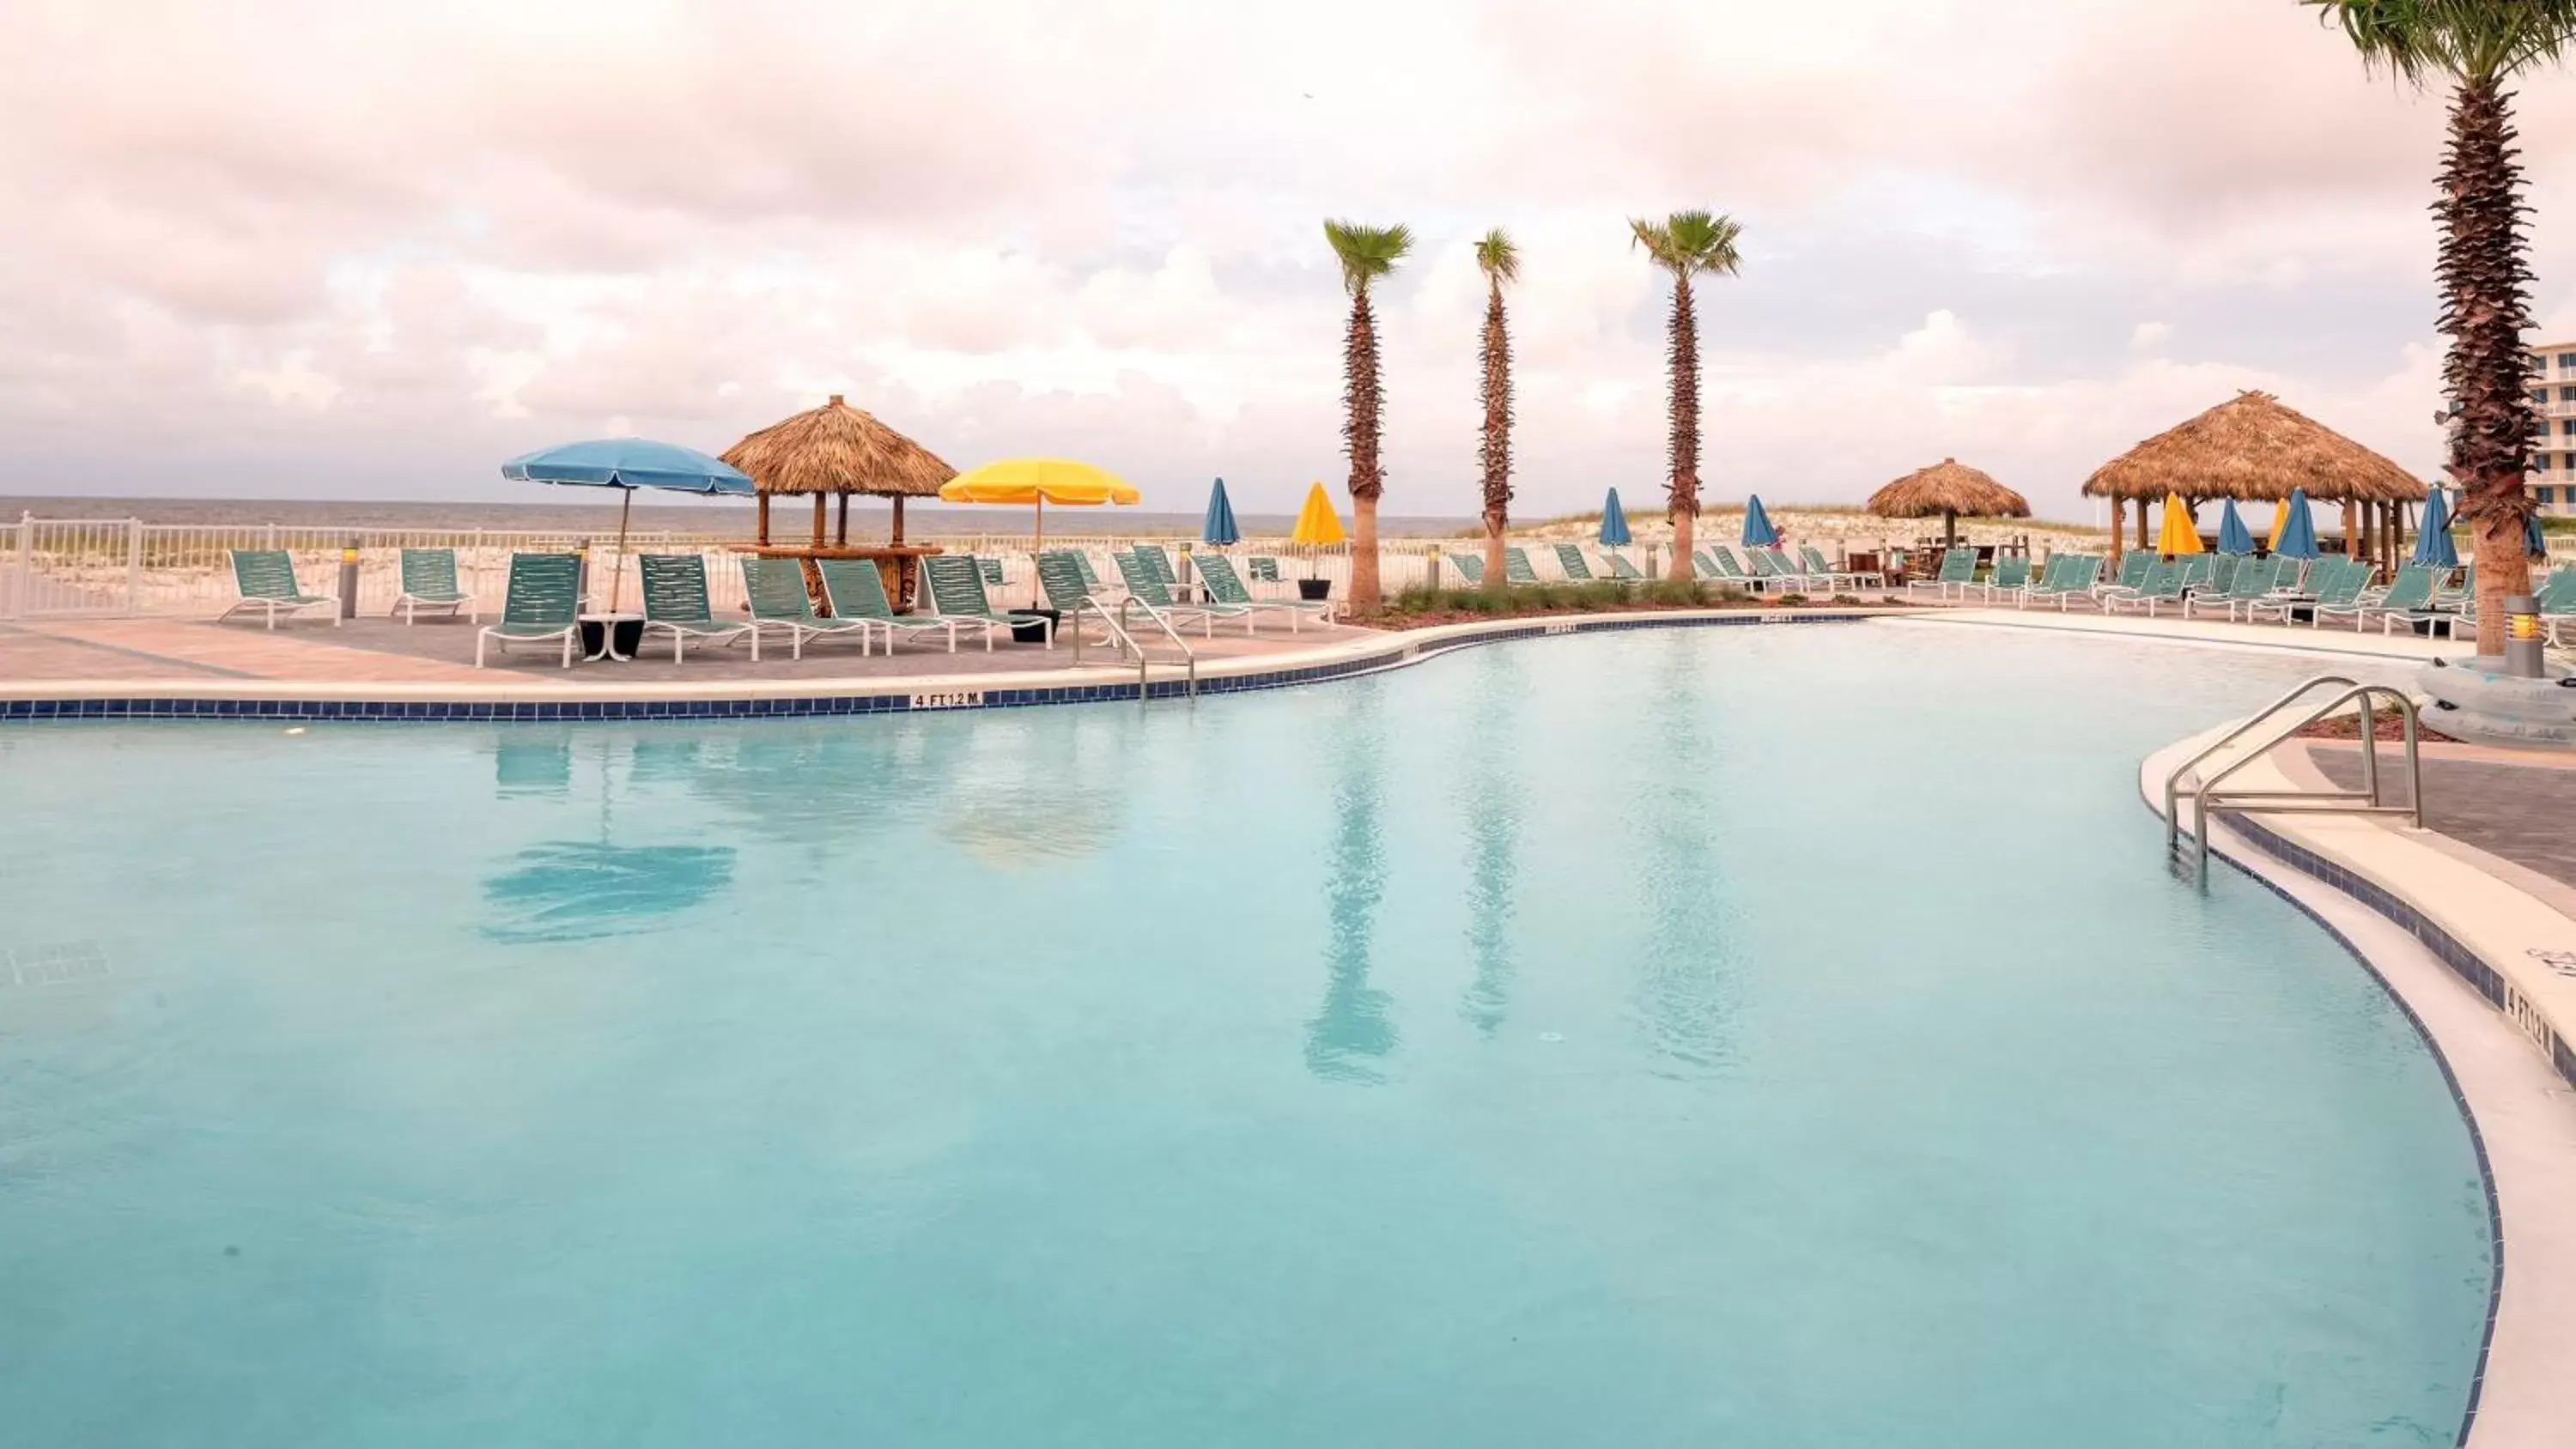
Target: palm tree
2477	45
1367	253
1500	262
1686	244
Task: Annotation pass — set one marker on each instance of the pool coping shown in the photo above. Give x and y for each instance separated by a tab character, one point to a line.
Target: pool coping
547	701
2440	958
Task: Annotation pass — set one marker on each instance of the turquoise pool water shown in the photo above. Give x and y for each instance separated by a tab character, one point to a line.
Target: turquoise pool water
1779	1037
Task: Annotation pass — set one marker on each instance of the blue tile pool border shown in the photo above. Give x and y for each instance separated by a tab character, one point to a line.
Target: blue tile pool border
1399	650
2464	963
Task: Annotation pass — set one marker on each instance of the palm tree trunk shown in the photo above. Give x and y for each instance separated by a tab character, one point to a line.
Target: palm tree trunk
1360	433
2486	309
1365	594
1681	490
1682	545
1495	447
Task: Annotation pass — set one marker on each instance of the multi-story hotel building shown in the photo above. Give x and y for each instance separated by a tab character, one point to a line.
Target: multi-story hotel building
2552	480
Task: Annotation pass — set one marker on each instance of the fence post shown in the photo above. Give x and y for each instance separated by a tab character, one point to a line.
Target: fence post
133	566
23	582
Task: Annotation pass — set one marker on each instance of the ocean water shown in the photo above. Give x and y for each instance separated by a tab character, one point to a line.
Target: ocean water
1780	1037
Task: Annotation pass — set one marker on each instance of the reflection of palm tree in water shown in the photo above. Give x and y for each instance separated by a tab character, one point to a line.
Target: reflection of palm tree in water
1347	1038
1492	805
1680	992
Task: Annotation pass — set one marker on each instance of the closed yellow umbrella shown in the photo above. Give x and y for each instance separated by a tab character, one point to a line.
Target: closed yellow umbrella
1039	482
1317	525
2180	534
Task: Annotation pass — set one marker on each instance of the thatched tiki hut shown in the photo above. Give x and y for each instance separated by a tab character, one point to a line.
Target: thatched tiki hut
837	450
1951	489
2254	450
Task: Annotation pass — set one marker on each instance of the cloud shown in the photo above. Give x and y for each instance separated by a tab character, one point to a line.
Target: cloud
288	233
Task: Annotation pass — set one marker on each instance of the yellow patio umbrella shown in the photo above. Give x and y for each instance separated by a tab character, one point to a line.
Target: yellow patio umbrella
2180	534
1317	525
1039	482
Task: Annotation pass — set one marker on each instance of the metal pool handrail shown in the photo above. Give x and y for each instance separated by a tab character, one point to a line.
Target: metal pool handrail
1125	639
2368	800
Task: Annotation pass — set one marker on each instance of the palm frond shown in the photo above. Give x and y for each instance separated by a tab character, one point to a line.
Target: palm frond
1498	257
1367	252
1692	241
2470	41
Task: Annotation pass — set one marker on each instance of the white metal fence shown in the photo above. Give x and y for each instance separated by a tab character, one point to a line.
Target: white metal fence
94	568
72	568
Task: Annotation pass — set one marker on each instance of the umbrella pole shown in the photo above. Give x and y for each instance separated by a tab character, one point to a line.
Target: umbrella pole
617	575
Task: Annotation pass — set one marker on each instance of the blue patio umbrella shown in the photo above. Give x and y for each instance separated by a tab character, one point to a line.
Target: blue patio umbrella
2297	535
2532	543
2433	540
627	464
1758	532
1219	528
2233	536
1614	522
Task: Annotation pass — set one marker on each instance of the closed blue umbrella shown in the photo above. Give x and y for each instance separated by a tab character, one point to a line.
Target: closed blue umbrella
2433	540
1614	522
2532	543
1758	532
1219	528
627	464
2297	535
2233	537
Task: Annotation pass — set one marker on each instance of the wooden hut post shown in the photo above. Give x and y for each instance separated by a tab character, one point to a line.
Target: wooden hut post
2351	530
897	535
818	520
841	525
764	520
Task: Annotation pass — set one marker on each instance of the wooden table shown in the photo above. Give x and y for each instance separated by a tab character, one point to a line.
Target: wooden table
898	564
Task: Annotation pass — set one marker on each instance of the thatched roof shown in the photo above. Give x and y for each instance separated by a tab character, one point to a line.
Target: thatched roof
2253	448
1948	487
836	448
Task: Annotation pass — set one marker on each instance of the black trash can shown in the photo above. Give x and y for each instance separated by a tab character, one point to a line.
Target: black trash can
1313	589
1033	624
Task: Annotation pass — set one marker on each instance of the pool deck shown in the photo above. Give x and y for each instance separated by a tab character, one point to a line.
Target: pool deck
378	657
2471	924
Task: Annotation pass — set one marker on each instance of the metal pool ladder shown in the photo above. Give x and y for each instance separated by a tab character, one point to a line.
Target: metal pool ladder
1129	648
2207	797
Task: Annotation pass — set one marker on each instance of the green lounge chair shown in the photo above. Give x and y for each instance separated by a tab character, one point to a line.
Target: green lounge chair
2339	596
2011	575
2131	573
429	582
1773	570
1265	569
957	593
1516	566
1060	578
2451	598
1718	564
1149	590
543	605
675	602
1705	567
265	578
991	568
1958	571
776	589
1570	562
2409	597
1225	586
1469	567
2163	586
1815	561
855	590
1621	569
2069	577
2248	582
2196	570
1082	567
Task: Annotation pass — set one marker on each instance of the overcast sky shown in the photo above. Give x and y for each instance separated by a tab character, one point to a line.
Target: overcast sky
292	250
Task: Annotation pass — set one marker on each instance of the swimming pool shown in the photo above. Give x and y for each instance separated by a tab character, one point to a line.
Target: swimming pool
1675	1037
